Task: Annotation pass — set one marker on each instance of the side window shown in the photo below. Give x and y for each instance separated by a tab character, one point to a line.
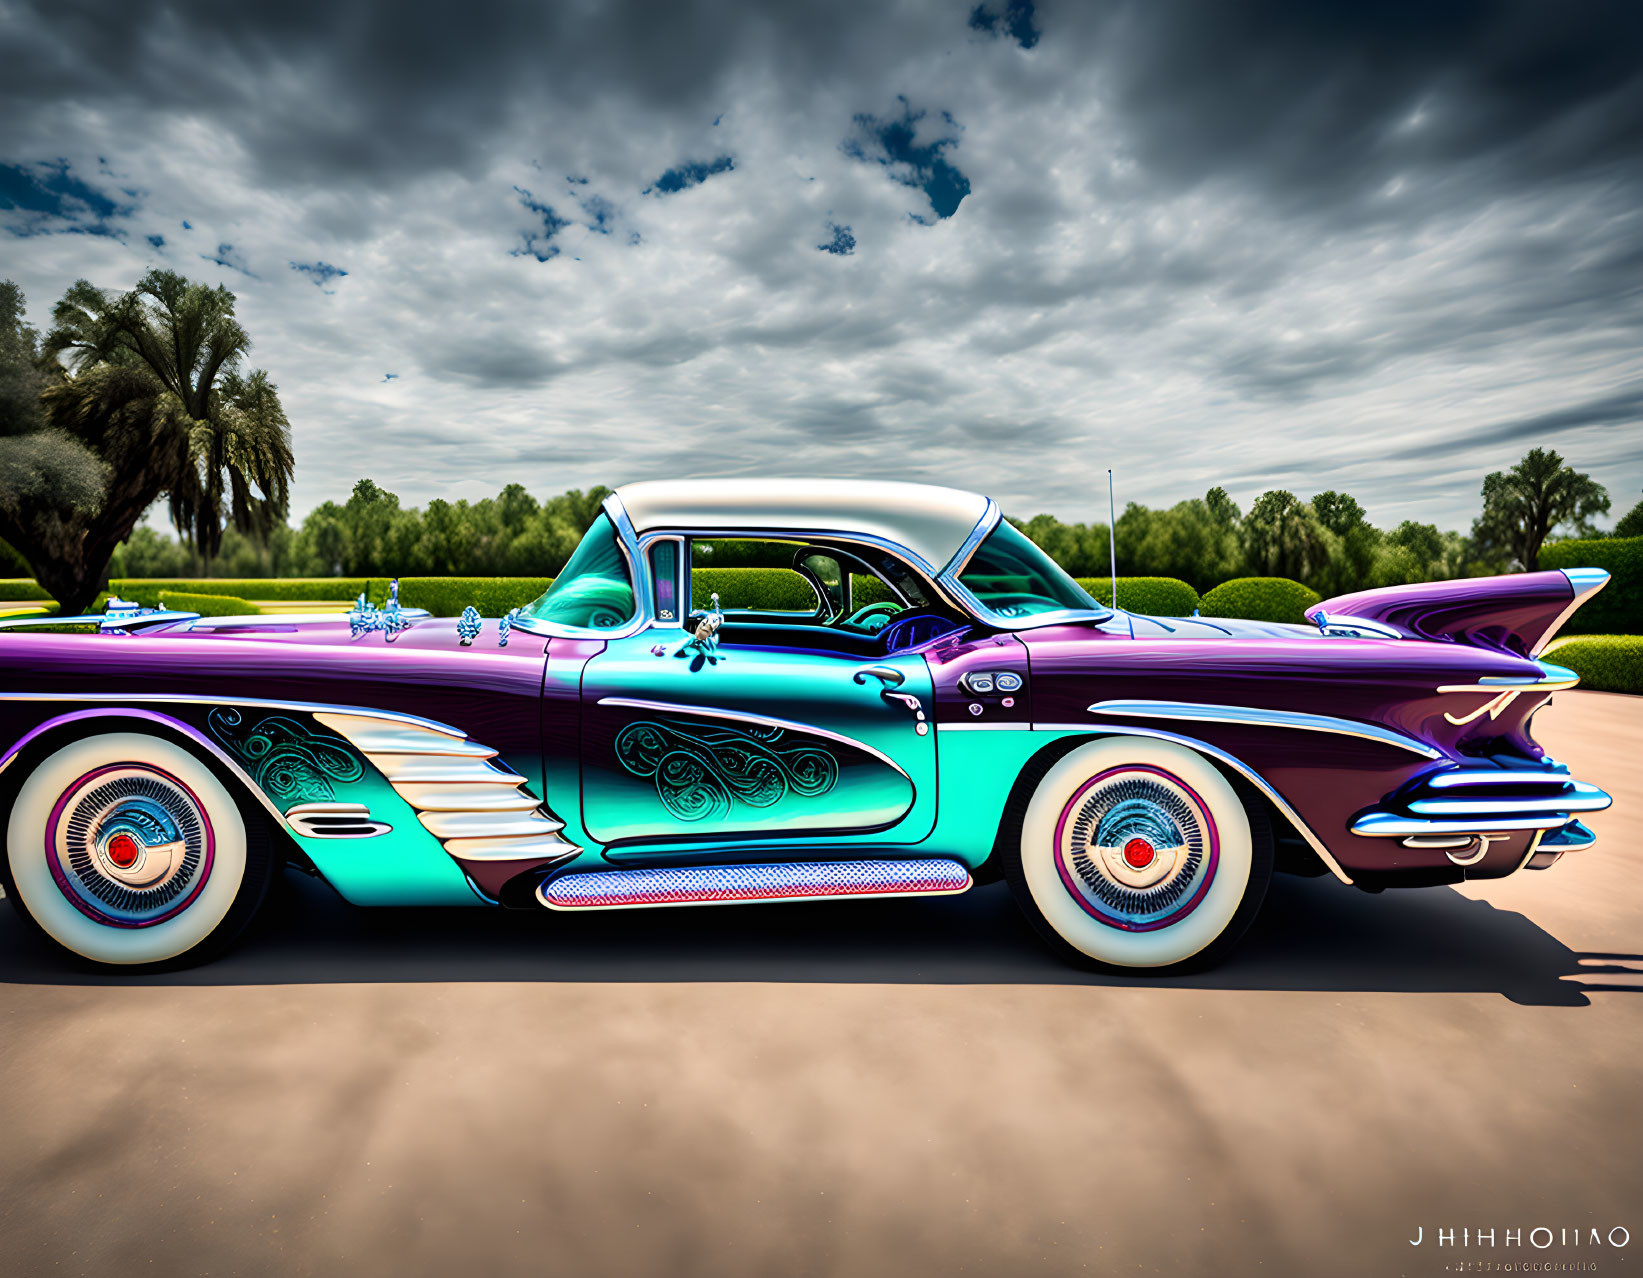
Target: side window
595	590
752	575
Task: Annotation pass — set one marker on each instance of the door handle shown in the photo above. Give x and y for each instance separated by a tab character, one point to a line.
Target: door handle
892	678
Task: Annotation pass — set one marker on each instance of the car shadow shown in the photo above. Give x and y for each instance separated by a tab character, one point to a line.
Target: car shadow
1313	935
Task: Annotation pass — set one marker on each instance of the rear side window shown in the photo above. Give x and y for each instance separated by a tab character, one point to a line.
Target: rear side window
664	574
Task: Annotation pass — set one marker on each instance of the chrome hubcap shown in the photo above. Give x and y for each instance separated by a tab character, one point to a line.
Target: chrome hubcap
1136	848
129	845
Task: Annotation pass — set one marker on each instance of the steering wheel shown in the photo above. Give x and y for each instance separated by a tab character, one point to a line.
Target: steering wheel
861	616
1016	604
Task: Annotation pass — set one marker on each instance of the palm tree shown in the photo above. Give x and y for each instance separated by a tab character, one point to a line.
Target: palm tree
156	395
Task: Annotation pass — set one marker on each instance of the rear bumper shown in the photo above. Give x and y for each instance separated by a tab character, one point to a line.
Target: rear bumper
1464	810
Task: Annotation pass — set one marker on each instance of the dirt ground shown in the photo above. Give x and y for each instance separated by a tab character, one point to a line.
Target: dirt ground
885	1088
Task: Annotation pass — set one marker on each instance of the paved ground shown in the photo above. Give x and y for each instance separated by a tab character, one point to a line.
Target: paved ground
838	1090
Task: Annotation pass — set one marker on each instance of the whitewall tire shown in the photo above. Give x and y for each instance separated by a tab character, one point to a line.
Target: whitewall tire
1138	853
127	850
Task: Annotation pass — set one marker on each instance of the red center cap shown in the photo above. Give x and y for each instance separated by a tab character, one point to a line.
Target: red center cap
123	850
1138	854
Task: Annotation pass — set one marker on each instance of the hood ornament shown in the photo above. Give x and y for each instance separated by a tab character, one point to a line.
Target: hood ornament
392	620
468	625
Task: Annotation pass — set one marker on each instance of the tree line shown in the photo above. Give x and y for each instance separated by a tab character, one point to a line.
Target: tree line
138	397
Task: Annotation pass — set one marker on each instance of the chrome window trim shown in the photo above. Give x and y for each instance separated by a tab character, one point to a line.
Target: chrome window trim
1232	761
911	559
681	580
1206	713
948	579
988	521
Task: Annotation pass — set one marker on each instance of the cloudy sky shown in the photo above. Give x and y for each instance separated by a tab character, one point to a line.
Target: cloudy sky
1384	248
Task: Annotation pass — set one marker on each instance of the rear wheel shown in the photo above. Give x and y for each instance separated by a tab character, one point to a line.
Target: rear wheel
1139	854
127	850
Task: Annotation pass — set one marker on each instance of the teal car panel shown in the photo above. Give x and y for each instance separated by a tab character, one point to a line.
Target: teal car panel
754	742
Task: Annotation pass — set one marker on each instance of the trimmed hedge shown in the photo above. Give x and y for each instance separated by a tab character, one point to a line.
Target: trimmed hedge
448	596
1618	607
1153	596
12	588
767	589
207	605
329	589
1605	663
1259	599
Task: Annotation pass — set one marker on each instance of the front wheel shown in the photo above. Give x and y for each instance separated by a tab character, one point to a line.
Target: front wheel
126	850
1139	854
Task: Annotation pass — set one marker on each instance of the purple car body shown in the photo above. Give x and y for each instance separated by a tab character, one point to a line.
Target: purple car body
770	756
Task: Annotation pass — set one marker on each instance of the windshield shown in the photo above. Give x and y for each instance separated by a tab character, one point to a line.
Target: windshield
595	591
1014	578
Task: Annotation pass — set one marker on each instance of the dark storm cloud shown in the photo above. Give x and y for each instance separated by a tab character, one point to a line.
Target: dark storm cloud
318	88
1624	409
1201	240
1330	102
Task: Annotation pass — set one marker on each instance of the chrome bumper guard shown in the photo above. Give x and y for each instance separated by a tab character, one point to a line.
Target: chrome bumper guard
1458	808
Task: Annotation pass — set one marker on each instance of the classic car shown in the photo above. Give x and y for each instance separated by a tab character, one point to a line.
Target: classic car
950	707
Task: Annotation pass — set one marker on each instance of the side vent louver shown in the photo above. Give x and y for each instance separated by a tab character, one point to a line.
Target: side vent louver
335	821
480	812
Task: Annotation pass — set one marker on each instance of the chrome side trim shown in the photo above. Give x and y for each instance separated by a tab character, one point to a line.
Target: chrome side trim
1378	825
105	624
471	796
763	721
1232	761
984	727
489	825
1505	689
375	737
199	699
1583	581
445	768
1551	679
516	847
1204	713
1577	796
1492	776
120	712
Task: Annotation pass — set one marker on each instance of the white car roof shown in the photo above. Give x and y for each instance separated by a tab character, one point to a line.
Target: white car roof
931	521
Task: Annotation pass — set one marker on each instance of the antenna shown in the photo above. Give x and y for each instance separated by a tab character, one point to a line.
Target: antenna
1112	539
